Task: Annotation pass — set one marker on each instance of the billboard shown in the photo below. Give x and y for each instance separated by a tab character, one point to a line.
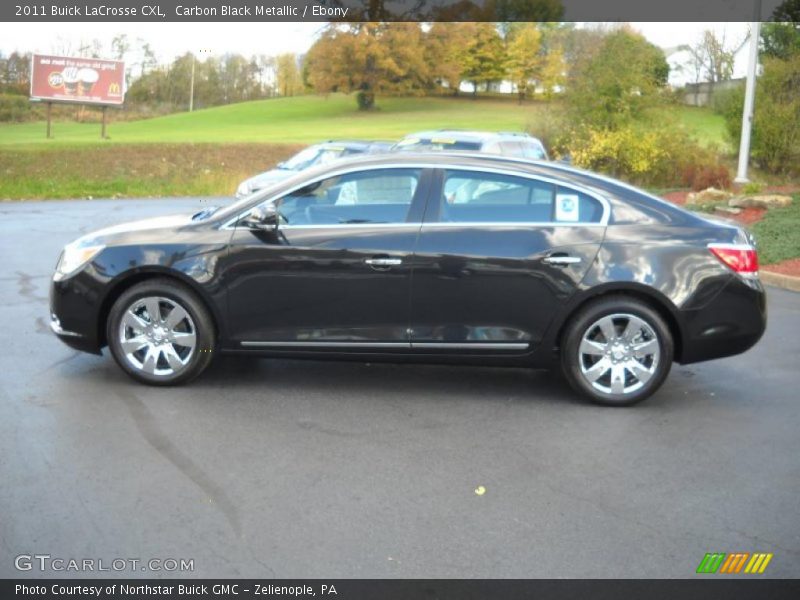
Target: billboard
79	80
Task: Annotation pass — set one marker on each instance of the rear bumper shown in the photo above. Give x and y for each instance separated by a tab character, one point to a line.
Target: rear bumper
730	324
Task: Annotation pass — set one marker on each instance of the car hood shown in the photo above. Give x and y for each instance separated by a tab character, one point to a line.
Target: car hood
131	231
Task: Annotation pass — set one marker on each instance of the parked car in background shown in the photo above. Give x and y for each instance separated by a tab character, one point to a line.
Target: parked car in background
318	154
514	263
507	143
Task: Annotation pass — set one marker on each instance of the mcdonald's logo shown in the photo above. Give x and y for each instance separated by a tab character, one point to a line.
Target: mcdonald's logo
113	89
734	563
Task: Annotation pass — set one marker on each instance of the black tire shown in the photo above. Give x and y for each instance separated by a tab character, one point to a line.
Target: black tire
200	323
585	323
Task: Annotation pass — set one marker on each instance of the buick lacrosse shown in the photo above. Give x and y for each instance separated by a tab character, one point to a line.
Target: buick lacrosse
445	257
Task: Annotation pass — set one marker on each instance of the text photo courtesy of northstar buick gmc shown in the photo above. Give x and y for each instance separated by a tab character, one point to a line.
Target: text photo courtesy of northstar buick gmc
438	257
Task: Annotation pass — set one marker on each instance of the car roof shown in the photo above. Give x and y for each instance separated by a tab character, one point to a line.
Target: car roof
467	160
467	135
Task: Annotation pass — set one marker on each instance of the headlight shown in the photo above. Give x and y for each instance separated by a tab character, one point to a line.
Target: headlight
243	189
73	258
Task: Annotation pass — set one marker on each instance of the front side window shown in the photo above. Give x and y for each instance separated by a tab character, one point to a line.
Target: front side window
476	197
377	196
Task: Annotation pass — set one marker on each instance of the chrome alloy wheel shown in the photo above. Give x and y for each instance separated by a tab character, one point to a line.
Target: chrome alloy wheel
619	353
157	336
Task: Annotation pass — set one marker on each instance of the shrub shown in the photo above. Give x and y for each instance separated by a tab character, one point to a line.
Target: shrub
365	100
14	107
662	156
775	144
703	175
751	188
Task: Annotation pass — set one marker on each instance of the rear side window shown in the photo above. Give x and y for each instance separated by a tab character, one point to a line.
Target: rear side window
476	197
534	151
511	149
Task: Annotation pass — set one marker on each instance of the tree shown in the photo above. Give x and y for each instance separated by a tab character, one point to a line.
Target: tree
368	58
781	40
447	46
712	57
288	75
15	73
120	45
486	56
553	72
622	79
524	61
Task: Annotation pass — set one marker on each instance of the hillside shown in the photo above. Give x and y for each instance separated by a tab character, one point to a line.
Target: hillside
307	119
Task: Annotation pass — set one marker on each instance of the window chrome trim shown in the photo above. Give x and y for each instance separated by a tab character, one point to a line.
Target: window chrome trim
443	224
407	345
230	223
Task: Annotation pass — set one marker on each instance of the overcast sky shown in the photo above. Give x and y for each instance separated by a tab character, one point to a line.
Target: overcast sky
172	39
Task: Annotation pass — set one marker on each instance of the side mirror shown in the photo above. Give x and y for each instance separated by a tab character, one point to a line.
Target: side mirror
263	218
565	160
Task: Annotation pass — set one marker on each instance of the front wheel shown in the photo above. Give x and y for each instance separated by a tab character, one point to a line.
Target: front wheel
617	351
160	333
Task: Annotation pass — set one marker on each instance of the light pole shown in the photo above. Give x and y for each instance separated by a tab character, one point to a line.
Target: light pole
749	96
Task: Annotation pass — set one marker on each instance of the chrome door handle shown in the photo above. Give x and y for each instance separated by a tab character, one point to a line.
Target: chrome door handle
561	260
383	262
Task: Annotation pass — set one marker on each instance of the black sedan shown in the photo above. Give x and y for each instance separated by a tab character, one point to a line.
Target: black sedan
453	257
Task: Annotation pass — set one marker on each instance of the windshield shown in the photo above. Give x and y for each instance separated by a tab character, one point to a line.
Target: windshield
313	155
418	144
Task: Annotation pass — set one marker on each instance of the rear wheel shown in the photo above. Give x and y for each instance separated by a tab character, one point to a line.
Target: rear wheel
617	351
160	333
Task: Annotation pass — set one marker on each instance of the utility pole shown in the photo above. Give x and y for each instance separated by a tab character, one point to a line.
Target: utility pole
749	96
191	87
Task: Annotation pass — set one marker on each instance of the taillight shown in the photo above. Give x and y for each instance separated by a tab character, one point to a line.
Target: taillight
741	258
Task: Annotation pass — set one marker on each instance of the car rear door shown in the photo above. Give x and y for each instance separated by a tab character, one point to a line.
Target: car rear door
337	273
497	255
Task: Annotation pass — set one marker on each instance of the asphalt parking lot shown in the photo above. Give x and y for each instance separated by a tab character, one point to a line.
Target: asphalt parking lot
267	468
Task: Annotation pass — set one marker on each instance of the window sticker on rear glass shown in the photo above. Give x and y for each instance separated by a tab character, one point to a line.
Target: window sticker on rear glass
567	207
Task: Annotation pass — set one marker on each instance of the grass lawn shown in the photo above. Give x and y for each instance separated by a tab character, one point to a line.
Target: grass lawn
306	119
778	233
238	140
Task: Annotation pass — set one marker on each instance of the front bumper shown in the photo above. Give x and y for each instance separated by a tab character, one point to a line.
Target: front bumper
74	312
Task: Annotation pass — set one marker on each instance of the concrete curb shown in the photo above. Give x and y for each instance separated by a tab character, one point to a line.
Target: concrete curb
786	282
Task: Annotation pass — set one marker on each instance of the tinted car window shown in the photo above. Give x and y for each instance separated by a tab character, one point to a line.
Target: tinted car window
533	150
511	149
379	196
474	197
417	144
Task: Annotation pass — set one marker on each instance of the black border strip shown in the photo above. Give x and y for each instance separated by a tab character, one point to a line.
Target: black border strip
387	10
700	588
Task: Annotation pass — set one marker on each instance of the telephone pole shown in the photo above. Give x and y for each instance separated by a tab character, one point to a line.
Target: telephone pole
749	96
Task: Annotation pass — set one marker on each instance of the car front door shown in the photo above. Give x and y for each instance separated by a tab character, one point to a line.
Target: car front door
497	255
336	273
